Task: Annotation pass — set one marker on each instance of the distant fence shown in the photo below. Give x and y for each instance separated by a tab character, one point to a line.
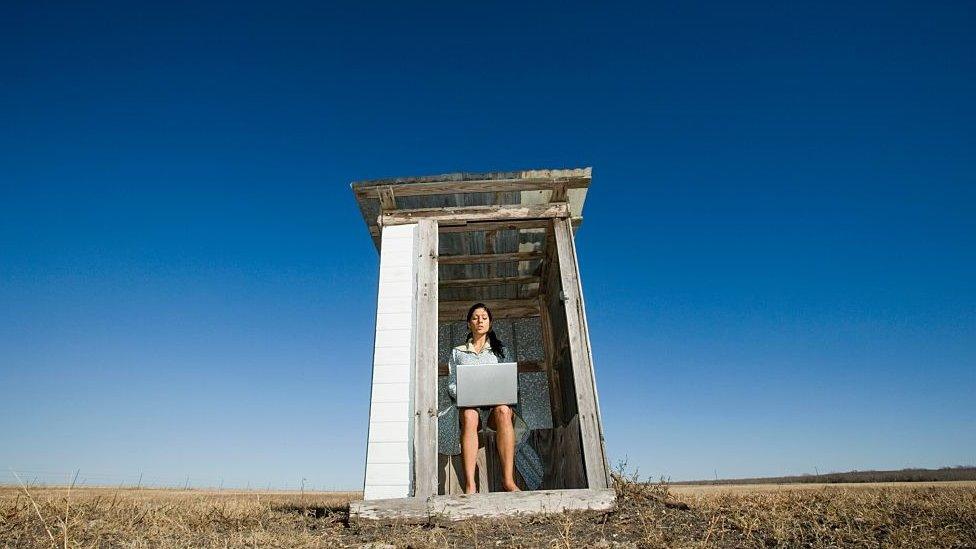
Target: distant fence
80	477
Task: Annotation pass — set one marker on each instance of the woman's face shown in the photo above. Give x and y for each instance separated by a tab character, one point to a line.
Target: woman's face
479	323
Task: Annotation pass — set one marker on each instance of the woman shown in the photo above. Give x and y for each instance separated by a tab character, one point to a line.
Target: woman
483	347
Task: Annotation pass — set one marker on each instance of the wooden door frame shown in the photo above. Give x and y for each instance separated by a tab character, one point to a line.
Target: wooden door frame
425	363
588	408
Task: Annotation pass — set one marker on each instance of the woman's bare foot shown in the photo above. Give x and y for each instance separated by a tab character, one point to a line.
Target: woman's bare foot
470	488
510	487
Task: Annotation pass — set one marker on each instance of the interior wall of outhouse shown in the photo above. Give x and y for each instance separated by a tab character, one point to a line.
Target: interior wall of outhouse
567	454
547	396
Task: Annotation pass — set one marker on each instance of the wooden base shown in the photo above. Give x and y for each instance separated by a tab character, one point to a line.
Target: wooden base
495	504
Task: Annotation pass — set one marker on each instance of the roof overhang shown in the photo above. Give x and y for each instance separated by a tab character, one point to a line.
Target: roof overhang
462	198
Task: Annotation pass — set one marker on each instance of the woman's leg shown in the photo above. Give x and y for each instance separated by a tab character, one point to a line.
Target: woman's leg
503	423
469	446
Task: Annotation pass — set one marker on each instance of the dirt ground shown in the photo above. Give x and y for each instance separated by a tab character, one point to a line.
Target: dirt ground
648	515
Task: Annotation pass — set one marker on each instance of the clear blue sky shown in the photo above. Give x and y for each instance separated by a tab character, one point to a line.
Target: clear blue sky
779	250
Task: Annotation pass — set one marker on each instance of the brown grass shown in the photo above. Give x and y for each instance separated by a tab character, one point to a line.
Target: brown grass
830	516
649	515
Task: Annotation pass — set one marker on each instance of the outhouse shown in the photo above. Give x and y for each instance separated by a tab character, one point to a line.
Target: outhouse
446	242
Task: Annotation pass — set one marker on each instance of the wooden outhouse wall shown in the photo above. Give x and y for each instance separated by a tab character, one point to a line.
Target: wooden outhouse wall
546	330
446	241
389	442
403	398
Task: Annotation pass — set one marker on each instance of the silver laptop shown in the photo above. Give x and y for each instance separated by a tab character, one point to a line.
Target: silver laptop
487	384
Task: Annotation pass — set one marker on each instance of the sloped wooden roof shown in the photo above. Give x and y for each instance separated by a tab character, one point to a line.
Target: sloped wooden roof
466	189
497	257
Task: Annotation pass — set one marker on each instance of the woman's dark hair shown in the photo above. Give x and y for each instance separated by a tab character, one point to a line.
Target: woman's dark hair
497	346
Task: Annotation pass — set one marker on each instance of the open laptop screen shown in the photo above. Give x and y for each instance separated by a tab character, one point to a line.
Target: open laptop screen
487	384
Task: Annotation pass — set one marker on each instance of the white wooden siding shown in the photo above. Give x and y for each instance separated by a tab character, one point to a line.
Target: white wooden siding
388	411
388	453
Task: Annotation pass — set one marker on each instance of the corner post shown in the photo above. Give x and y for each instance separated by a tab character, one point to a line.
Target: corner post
425	363
591	428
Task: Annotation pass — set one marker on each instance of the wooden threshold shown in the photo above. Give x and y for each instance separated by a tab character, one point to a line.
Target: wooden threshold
496	504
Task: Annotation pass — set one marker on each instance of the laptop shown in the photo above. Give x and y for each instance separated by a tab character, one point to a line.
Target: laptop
487	384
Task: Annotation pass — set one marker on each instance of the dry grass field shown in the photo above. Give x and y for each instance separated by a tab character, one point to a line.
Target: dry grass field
648	515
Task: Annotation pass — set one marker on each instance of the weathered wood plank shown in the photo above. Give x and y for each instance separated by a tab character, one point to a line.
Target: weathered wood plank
494	465
387	200
497	281
474	186
589	352
548	338
448	477
558	193
449	508
463	215
477	226
549	173
597	472
451	472
570	471
490	238
549	349
488	258
500	308
562	359
425	403
398	509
